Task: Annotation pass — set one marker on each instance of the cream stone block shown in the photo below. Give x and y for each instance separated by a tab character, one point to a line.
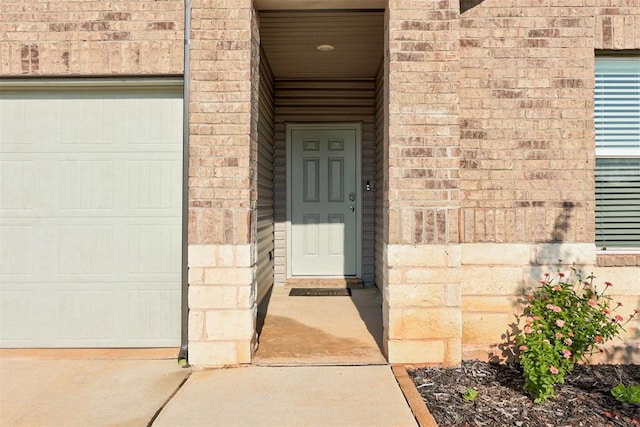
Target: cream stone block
477	280
485	328
569	253
425	323
244	255
499	304
202	255
404	351
229	276
615	352
496	254
419	255
244	351
226	256
246	296
196	325
213	297
230	325
416	295
625	280
217	353
431	275
454	295
453	353
196	276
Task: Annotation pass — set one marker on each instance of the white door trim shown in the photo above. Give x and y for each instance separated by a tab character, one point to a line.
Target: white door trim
357	127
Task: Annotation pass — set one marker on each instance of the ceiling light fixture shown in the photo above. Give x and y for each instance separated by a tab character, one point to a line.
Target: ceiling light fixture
325	47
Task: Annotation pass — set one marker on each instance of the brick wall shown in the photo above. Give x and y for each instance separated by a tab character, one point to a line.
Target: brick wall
526	113
222	182
422	263
527	157
91	37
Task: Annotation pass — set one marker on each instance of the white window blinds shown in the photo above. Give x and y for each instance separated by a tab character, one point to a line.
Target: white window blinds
617	124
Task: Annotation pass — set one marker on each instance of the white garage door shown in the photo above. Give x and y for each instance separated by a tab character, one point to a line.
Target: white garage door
90	215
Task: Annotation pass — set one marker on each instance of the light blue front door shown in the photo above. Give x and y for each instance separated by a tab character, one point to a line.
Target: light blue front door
324	202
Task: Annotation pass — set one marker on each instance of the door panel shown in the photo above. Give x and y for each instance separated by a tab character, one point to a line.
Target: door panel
324	202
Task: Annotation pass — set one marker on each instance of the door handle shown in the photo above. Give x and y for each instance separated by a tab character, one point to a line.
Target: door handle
352	209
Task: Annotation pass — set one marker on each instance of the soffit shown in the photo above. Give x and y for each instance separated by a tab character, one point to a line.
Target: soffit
289	39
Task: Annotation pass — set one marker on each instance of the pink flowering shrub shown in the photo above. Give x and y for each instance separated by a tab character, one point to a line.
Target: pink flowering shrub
567	318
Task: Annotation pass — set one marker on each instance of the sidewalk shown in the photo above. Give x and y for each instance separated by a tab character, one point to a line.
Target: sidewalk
133	392
289	396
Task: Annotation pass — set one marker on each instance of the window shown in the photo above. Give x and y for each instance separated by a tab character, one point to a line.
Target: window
617	123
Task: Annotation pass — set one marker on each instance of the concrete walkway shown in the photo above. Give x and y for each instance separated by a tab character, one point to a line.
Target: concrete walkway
289	396
46	392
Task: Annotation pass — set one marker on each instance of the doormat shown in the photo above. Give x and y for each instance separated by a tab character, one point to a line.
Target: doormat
320	292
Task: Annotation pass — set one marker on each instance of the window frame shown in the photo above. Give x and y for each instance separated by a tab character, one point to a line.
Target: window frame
613	153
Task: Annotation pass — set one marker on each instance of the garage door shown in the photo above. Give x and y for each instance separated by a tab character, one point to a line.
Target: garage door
90	214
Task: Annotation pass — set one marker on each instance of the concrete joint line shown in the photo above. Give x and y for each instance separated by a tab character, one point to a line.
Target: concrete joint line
166	402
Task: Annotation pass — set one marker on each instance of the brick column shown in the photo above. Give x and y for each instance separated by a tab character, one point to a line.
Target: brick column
422	281
222	183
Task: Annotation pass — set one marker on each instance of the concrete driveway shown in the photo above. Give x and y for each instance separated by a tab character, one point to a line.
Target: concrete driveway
67	392
81	391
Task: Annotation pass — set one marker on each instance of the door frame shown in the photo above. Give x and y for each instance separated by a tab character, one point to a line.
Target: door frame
357	127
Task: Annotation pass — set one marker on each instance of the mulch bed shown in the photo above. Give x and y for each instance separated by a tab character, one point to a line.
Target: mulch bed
584	400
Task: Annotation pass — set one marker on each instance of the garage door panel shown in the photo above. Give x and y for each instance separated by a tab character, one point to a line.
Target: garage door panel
154	248
90	219
154	184
16	251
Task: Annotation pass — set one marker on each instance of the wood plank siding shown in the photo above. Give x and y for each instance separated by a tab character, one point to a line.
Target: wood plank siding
380	176
324	101
265	180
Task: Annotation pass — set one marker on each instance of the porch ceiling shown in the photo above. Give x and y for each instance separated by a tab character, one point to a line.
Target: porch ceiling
290	38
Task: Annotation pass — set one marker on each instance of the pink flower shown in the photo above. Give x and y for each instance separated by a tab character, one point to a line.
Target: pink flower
543	282
547	274
559	335
570	334
566	353
557	288
560	274
608	284
598	339
536	318
557	309
568	341
523	348
550	306
527	330
559	323
592	302
529	320
606	311
530	297
618	318
619	304
553	370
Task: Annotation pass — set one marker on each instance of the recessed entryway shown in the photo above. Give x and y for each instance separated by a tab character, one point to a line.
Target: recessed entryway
321	330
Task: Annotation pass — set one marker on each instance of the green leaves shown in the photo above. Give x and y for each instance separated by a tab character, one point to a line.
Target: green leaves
566	319
470	395
629	394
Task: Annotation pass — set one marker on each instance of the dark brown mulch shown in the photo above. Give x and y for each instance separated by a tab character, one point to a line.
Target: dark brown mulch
584	400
